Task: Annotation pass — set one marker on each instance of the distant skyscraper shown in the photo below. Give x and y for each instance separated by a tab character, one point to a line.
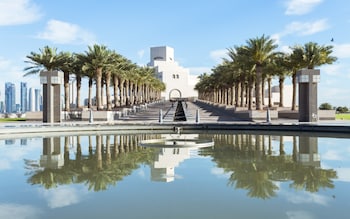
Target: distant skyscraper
10	97
31	100
38	101
2	108
24	97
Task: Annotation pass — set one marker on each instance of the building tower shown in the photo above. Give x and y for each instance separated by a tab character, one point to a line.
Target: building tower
178	81
37	100
24	97
10	97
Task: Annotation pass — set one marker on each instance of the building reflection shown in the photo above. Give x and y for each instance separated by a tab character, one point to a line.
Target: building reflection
255	162
308	151
165	162
175	149
52	157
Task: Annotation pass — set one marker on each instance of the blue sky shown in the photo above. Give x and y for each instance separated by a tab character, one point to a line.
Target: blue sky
199	31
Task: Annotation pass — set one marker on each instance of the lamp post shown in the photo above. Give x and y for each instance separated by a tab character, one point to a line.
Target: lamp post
51	81
308	79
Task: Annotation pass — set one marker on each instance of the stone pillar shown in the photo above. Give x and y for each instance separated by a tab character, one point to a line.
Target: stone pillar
308	151
308	79
52	157
51	81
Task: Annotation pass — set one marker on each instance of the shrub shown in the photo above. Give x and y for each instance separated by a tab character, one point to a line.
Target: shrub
325	106
342	109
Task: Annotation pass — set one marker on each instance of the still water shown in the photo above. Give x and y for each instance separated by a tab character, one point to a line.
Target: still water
239	175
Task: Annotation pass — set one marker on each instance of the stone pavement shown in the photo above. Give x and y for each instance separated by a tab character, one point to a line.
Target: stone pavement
194	111
199	117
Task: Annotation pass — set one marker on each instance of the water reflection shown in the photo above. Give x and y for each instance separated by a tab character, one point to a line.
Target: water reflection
250	160
254	167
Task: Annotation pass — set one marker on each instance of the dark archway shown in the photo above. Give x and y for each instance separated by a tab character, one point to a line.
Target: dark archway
178	95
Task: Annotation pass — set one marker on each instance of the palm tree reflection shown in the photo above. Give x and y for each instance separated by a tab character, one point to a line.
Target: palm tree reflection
257	170
98	170
254	162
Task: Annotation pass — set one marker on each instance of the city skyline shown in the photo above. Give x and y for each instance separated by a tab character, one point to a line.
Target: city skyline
28	99
199	33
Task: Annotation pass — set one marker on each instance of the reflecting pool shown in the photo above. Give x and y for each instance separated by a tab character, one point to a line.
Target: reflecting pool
231	175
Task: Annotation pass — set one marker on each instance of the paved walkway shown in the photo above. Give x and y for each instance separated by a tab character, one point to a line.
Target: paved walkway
193	110
207	114
199	116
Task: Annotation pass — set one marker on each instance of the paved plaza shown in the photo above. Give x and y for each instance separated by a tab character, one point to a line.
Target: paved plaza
199	117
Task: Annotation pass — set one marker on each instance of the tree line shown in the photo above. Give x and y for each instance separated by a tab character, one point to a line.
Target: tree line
250	66
103	67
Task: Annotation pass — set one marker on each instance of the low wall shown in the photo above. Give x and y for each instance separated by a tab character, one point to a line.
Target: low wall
34	116
322	114
275	112
256	114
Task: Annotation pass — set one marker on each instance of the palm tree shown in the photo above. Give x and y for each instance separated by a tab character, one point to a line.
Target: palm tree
66	67
308	56
145	76
88	72
112	62
261	50
96	59
315	55
77	68
295	63
281	61
47	59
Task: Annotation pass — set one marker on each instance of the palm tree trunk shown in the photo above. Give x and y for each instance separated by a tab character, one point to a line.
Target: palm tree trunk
258	88
242	94
115	90
108	92
78	83
127	90
132	93
66	91
269	90
294	81
237	93
250	94
263	92
281	85
98	88
121	91
90	93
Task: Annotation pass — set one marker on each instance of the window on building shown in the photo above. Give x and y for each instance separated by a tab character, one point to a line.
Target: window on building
177	76
174	76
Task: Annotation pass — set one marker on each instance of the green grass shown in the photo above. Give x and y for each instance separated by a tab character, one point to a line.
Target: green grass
342	116
12	119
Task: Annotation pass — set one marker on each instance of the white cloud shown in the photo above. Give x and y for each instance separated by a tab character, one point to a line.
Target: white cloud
141	53
66	33
61	196
306	198
299	7
343	174
332	70
306	28
220	173
16	12
218	55
332	155
142	173
341	50
4	63
18	211
299	214
5	165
